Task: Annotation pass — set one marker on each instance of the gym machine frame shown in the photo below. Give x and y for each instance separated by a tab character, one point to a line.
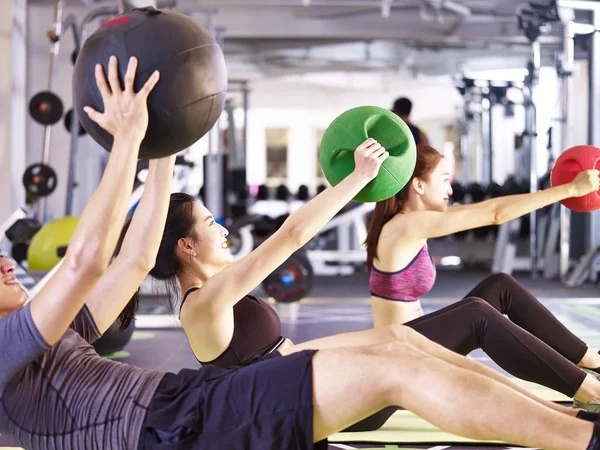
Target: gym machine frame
590	264
486	94
534	23
505	259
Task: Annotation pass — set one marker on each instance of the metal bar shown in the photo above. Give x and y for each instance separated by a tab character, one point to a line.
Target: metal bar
579	4
568	60
54	50
214	135
245	129
491	143
314	3
594	118
214	181
486	141
55	47
71	23
376	4
464	137
531	136
214	139
71	182
235	161
586	268
582	28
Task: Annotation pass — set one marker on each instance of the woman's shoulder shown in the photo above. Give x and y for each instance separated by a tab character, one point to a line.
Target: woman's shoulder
396	224
394	237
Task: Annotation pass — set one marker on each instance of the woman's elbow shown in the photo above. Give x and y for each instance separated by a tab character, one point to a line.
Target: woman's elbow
296	236
85	262
146	262
142	261
497	217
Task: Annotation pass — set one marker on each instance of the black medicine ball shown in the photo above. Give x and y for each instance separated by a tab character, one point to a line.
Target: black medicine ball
190	95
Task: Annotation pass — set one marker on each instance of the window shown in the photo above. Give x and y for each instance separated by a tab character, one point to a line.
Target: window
277	149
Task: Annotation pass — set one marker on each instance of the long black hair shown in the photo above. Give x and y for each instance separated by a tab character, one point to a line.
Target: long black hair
180	223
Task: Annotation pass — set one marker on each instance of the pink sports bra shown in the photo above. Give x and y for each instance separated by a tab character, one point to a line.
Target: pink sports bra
408	284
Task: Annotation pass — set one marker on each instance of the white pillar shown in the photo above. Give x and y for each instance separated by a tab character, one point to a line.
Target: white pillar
13	51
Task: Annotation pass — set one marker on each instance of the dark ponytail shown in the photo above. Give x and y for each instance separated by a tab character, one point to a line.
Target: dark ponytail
383	212
427	160
179	224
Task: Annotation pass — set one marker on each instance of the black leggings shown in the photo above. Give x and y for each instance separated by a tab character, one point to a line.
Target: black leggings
530	344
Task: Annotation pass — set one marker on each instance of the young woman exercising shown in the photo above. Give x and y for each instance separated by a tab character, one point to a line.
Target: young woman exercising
529	342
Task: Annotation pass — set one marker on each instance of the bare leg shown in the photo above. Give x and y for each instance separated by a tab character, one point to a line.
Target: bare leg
589	391
401	333
451	398
590	360
451	357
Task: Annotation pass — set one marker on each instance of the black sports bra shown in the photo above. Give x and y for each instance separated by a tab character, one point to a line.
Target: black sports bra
256	332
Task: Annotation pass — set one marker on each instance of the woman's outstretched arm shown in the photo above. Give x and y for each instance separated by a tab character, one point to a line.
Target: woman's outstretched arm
125	116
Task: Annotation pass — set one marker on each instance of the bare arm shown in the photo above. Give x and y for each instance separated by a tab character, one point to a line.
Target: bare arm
232	283
424	138
140	246
431	224
94	240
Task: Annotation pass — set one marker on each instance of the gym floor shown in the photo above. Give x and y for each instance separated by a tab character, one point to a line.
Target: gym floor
343	305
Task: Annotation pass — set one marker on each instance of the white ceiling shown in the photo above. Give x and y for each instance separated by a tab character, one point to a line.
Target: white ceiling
420	36
430	37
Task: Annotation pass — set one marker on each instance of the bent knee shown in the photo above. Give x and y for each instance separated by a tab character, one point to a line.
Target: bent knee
479	308
500	278
401	333
407	335
395	339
